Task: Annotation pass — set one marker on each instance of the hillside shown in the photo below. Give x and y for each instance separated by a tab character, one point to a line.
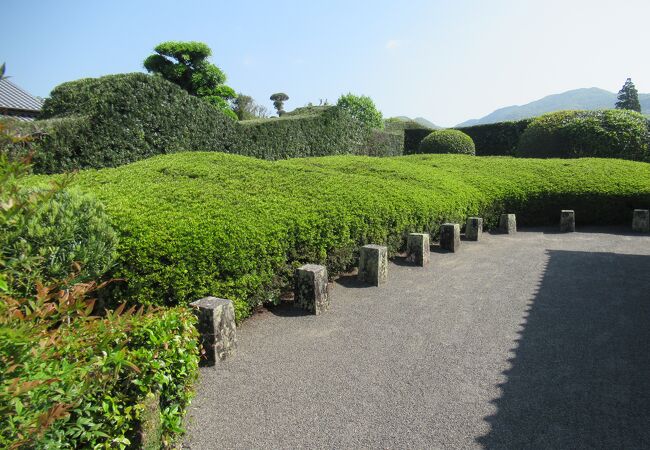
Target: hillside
585	98
421	120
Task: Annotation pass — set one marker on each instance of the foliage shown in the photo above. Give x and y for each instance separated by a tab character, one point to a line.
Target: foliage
186	64
497	139
72	380
363	109
199	224
447	141
3	68
278	101
117	119
628	97
573	134
313	131
246	109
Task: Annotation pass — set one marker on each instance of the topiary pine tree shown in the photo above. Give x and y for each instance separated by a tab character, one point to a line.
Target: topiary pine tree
278	101
186	64
628	97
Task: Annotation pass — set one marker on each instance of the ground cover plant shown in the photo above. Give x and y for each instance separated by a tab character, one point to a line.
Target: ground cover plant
199	224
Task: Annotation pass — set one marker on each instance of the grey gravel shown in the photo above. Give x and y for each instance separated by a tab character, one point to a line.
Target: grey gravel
532	340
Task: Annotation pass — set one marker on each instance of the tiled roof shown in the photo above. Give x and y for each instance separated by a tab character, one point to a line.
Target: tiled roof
13	97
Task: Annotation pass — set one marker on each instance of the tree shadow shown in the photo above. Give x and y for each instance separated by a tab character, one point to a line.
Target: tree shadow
580	377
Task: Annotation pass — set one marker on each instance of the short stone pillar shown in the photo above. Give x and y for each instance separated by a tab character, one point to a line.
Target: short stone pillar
567	221
373	264
450	237
418	248
310	288
641	221
508	223
217	329
474	228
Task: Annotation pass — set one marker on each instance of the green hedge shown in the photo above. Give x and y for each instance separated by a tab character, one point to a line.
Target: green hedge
117	119
574	134
497	139
447	141
214	224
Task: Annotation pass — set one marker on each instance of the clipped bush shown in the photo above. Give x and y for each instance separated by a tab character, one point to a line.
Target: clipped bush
497	139
117	119
202	224
575	134
447	141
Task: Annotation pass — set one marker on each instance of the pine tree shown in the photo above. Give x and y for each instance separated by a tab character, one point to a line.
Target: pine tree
628	97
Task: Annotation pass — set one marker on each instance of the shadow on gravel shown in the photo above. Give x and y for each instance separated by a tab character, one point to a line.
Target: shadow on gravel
287	309
351	281
580	377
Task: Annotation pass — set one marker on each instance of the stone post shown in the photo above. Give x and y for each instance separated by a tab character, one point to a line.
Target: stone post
474	228
310	288
373	264
641	221
418	248
450	236
217	329
508	223
567	221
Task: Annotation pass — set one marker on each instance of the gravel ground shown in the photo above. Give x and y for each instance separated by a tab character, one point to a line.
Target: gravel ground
537	340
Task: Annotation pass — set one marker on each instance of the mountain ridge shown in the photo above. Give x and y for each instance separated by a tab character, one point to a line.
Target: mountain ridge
582	98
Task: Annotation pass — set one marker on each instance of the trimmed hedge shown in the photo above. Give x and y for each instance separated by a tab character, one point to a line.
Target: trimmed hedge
125	118
574	134
497	139
412	139
447	141
214	224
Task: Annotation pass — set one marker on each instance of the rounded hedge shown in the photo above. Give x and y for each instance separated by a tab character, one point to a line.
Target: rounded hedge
574	134
447	141
118	119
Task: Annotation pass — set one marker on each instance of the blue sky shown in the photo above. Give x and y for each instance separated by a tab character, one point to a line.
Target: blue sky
448	61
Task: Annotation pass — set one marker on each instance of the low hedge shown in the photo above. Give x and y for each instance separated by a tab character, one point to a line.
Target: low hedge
447	141
574	134
214	224
497	139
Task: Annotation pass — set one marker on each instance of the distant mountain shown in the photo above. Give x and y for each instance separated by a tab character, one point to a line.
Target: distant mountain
586	98
421	120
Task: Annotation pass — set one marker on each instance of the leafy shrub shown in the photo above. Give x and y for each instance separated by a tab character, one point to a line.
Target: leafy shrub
82	384
42	240
70	380
447	141
201	224
574	134
119	119
382	143
497	139
412	139
363	109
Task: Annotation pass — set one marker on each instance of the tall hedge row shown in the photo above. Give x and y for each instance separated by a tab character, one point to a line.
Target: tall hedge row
497	139
199	224
117	119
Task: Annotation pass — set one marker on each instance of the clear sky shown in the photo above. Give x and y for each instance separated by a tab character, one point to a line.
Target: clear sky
447	61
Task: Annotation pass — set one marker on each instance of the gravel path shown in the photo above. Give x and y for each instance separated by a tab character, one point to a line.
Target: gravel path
537	340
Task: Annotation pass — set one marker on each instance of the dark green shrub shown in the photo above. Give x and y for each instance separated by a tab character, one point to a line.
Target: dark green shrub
447	141
496	139
119	119
383	143
201	224
575	134
412	139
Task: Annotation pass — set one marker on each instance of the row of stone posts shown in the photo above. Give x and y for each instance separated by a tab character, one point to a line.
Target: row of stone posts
216	316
